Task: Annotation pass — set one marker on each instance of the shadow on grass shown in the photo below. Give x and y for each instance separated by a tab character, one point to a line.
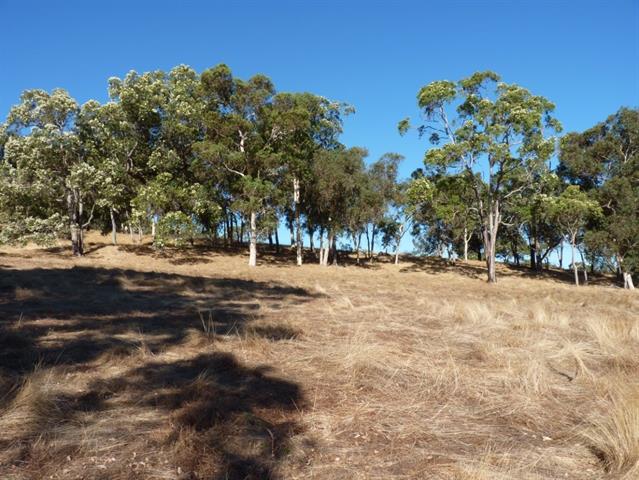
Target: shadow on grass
238	418
477	270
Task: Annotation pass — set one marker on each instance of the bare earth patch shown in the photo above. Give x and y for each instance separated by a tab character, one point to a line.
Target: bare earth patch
131	364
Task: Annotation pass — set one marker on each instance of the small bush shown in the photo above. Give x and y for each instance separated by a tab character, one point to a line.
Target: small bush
175	229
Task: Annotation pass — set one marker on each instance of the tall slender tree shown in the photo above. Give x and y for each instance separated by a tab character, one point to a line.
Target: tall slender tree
499	132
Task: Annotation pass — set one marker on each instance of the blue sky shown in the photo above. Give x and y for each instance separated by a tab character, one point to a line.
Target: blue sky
582	55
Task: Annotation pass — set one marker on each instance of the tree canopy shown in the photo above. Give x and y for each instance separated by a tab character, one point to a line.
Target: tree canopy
210	157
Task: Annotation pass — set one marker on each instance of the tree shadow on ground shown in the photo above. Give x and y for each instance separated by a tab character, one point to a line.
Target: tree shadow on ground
434	265
474	269
238	419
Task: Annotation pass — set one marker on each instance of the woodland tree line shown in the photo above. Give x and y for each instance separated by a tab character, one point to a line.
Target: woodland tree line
190	157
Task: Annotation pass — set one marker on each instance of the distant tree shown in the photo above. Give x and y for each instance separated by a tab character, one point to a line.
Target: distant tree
605	161
571	211
240	139
379	193
527	211
308	124
338	175
499	132
399	219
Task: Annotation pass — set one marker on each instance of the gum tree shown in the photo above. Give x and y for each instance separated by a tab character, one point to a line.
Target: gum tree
240	140
604	160
571	211
493	133
46	162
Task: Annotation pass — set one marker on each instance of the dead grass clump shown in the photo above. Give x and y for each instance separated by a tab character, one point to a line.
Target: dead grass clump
35	413
614	433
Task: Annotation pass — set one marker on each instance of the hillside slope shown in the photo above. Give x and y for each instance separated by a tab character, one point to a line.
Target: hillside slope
131	364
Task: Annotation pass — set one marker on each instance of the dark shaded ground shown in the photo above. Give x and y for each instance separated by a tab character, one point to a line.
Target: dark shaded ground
235	417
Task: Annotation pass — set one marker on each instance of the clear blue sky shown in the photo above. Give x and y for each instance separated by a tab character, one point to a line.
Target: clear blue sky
582	55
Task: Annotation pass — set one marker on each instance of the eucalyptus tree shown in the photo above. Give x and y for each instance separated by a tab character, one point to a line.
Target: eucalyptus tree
338	179
109	140
45	161
308	123
605	161
498	131
142	98
240	138
381	191
528	209
453	203
571	211
399	219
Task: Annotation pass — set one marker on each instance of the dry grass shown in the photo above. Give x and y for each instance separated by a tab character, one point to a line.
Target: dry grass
131	364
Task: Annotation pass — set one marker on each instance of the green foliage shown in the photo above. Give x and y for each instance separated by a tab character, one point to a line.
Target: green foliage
496	140
571	210
175	229
604	160
210	152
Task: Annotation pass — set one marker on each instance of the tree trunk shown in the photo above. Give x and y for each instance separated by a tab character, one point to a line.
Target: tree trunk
153	224
398	239
325	242
321	246
583	266
466	240
574	263
253	241
561	255
298	223
128	224
533	257
490	241
333	244
311	234
372	244
539	264
114	235
359	244
74	225
627	281
277	240
490	262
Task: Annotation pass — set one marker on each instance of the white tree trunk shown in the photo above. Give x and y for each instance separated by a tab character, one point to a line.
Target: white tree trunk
490	241
74	224
627	281
574	263
253	241
298	223
466	240
114	233
584	266
325	249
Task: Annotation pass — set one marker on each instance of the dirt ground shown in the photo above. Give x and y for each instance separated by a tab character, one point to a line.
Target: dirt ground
130	363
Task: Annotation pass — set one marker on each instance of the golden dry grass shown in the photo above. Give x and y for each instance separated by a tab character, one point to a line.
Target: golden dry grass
133	364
